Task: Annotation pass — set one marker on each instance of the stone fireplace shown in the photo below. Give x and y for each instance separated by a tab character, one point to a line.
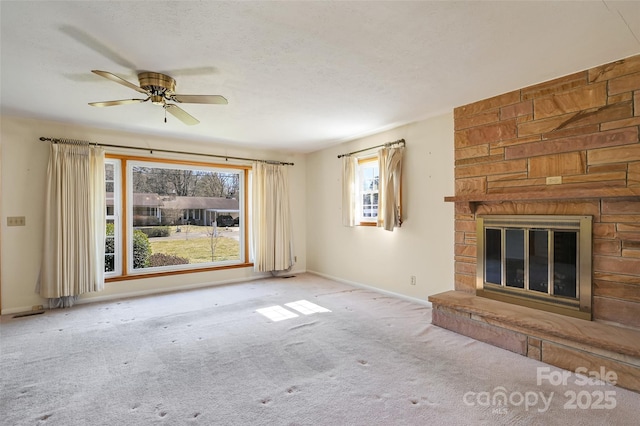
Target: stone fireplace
568	148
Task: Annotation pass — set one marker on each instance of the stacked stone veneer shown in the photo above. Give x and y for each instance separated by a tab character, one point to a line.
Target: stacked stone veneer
581	130
569	146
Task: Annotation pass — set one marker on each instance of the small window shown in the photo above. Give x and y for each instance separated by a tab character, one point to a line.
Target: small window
367	185
371	194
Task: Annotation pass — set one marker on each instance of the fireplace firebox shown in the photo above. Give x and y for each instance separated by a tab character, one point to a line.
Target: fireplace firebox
539	261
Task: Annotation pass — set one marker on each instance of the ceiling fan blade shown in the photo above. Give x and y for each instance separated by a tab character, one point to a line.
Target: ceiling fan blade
96	45
181	114
114	103
113	77
200	99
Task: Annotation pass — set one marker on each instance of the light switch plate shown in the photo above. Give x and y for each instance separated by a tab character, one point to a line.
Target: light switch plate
16	221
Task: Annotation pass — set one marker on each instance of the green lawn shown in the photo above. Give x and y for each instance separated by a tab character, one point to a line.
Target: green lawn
197	249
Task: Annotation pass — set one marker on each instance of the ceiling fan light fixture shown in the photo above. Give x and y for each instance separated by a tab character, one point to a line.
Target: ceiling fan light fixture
157	99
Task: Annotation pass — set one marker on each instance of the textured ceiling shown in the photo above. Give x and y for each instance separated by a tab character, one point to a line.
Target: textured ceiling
299	76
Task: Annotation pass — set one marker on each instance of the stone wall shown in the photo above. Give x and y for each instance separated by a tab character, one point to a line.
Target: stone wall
566	146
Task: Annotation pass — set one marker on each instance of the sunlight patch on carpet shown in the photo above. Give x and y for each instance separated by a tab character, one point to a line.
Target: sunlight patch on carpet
306	308
276	313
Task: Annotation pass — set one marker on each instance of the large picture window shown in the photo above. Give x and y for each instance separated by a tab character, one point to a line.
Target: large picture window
178	216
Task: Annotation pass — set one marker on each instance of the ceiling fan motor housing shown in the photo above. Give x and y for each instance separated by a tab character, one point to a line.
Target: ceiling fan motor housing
160	86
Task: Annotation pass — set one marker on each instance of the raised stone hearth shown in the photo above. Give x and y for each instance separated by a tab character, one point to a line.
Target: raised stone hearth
559	340
569	146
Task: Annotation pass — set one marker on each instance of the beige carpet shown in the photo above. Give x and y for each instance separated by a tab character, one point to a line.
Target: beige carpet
209	357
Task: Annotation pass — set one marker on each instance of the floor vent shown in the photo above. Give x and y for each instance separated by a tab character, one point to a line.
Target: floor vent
29	314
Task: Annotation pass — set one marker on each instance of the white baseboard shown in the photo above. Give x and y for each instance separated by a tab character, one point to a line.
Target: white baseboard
18	310
150	292
372	288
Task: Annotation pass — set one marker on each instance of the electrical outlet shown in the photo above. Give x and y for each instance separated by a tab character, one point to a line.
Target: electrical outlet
16	221
413	280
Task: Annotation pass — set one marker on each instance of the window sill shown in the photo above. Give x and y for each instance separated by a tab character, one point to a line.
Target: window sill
176	272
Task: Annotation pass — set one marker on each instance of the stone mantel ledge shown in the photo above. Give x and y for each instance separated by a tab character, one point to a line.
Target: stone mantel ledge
617	339
552	194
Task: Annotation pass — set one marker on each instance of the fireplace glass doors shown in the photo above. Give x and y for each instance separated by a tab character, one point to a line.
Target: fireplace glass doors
542	262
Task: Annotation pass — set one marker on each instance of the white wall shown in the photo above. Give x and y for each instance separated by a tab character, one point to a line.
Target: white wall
363	255
24	165
423	246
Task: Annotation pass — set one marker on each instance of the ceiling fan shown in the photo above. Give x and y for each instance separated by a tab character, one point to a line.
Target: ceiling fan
159	89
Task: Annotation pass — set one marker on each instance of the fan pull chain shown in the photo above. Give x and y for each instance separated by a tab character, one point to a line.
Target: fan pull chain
165	114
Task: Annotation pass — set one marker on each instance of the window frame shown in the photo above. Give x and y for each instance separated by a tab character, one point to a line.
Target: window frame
126	271
115	217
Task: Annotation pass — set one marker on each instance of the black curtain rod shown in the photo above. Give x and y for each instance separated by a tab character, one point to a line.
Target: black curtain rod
399	141
169	151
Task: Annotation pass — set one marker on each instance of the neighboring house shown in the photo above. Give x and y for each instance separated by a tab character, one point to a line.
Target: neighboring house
199	210
147	209
152	209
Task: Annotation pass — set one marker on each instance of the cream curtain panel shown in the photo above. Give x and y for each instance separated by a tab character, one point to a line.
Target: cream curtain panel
349	166
73	255
272	235
390	166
